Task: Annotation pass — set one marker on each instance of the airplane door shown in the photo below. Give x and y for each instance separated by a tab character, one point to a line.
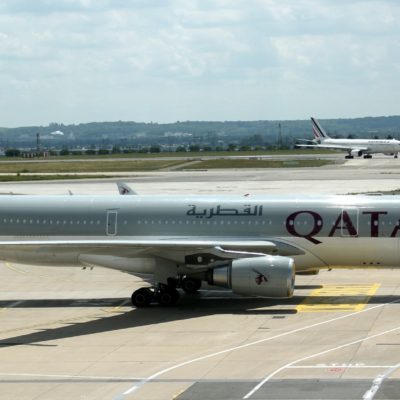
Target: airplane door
111	228
349	222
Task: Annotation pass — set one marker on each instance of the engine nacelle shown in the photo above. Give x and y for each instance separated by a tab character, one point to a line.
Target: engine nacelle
265	276
357	153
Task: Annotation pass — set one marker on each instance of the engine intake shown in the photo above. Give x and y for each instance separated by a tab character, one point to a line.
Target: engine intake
265	276
357	153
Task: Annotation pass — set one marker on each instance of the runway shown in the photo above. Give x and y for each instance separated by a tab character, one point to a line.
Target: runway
359	175
70	333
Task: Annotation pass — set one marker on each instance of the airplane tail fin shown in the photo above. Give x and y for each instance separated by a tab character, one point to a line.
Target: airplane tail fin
124	189
318	131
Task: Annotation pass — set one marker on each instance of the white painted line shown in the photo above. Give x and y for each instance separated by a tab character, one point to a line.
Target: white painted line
258	386
339	366
182	364
377	382
132	389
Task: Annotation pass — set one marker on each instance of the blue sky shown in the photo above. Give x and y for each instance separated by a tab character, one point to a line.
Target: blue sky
72	61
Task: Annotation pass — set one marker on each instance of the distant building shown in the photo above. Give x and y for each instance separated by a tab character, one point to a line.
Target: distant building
178	134
34	154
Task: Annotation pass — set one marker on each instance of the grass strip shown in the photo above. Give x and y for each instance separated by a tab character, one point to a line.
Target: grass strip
184	154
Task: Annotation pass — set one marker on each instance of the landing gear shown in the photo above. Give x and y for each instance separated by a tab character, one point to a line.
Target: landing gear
142	297
367	155
349	156
395	156
165	295
190	285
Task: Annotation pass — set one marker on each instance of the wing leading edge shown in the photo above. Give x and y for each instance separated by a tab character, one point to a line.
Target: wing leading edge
176	249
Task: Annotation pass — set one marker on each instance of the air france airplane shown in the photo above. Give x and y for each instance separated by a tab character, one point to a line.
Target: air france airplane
358	147
252	245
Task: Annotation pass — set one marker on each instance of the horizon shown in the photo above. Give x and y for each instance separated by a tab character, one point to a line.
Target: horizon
197	121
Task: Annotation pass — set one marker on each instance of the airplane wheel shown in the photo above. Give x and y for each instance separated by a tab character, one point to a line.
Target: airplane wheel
395	156
142	297
190	285
167	297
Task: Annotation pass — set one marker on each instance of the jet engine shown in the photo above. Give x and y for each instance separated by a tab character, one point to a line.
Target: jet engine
357	153
265	276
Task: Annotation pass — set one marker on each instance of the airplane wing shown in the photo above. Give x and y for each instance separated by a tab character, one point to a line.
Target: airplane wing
333	147
191	251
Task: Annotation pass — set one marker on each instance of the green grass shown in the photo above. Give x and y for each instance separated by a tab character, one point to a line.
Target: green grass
182	154
249	163
20	171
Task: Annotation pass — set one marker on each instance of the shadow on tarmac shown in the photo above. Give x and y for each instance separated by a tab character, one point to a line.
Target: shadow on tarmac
190	307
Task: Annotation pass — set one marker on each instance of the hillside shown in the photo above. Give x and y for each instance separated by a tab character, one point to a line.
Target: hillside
210	132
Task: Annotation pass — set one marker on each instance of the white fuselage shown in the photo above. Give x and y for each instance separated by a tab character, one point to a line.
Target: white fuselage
372	145
131	232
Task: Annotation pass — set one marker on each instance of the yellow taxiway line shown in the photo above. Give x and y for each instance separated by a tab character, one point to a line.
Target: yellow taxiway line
333	298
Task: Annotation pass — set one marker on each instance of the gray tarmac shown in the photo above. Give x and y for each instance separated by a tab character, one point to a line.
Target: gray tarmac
359	175
70	333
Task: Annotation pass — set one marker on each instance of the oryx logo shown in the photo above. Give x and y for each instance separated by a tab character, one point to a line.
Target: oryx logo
260	278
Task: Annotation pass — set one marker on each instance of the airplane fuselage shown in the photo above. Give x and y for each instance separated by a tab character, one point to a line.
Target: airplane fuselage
354	147
373	145
333	231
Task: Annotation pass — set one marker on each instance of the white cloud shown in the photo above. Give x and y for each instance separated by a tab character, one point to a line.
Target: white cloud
164	60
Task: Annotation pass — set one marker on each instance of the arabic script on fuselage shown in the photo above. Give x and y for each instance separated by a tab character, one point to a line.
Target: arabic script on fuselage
246	210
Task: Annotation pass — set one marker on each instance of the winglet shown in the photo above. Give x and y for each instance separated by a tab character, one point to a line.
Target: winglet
318	131
124	189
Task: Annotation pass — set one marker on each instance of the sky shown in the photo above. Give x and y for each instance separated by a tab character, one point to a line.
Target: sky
77	61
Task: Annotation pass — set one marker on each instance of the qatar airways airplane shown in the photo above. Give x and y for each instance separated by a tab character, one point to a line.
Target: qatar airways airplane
252	245
358	147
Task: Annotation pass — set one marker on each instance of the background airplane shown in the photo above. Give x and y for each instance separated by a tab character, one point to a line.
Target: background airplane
358	147
253	246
